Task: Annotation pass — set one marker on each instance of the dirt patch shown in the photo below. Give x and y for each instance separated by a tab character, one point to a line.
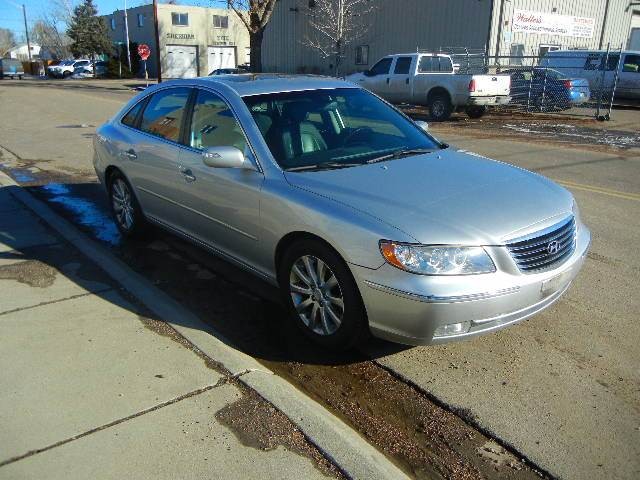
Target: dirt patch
259	425
30	272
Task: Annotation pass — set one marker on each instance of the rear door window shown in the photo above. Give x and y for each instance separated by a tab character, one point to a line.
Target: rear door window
631	63
164	112
130	118
403	64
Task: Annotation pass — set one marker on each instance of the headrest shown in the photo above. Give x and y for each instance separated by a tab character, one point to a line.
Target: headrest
296	111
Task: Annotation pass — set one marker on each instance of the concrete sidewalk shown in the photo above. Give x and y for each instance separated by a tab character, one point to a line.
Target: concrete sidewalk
92	386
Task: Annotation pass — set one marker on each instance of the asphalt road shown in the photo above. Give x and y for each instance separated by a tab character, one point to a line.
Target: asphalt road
562	388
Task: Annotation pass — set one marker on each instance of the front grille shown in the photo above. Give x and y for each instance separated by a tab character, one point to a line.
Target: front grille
545	249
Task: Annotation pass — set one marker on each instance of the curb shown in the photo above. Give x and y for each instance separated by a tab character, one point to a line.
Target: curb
334	438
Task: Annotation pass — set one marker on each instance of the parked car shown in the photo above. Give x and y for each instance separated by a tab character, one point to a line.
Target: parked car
363	219
600	69
12	68
546	89
87	70
433	80
226	71
66	68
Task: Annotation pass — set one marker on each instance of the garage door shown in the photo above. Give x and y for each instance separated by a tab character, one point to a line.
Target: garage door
182	61
221	57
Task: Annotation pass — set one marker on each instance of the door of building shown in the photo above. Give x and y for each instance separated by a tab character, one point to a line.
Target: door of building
181	62
221	57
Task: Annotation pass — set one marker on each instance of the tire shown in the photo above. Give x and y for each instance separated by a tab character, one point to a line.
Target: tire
334	316
476	111
66	74
440	107
125	208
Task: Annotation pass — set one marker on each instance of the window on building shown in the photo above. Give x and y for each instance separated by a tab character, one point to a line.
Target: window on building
382	67
220	21
213	124
163	114
362	55
140	20
181	19
113	23
402	66
516	53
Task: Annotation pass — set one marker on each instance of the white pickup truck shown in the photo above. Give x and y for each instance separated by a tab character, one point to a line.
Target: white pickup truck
434	80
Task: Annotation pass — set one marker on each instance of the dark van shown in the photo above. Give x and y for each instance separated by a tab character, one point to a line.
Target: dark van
10	67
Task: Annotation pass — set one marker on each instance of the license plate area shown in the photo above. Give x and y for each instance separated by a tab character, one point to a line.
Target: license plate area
554	284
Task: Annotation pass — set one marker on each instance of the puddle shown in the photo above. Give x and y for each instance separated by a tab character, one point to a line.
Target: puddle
86	212
31	272
259	425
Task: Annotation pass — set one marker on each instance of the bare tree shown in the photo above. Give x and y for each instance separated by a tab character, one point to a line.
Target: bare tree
7	40
46	34
255	15
335	24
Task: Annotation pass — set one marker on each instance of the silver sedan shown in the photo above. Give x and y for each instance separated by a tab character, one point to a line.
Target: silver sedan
364	220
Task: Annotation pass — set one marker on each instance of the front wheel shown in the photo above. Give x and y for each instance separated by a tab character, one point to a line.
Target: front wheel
476	111
322	295
125	208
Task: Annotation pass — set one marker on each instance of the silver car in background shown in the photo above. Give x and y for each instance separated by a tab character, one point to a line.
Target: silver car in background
364	220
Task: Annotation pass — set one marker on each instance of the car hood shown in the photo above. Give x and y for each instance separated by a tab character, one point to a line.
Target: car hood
444	197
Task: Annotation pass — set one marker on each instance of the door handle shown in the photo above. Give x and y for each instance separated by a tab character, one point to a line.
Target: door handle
387	80
130	154
187	174
407	81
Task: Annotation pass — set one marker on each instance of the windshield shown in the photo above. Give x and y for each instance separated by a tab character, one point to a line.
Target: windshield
337	127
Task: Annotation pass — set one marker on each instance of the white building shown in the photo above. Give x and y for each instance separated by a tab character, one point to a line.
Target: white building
21	52
194	41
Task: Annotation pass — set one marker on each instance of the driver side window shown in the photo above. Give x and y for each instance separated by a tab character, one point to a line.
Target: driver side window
382	67
213	124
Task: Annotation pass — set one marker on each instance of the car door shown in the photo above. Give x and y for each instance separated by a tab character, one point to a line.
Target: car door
629	81
151	152
223	204
377	78
399	80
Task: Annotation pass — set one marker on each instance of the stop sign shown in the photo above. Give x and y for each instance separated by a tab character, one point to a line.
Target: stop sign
144	51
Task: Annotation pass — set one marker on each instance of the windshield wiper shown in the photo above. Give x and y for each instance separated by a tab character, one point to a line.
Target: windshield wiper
322	166
403	152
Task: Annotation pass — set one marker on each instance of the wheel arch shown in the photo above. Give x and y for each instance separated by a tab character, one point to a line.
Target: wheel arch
439	90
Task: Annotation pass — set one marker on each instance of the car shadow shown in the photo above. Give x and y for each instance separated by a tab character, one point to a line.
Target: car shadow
241	308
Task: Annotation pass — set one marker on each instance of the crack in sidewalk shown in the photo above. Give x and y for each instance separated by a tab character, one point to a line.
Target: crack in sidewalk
59	300
111	424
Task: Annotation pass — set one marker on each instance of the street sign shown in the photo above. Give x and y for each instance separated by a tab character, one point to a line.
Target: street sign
144	51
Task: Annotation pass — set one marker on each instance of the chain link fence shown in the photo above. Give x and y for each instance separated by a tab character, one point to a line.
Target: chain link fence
572	82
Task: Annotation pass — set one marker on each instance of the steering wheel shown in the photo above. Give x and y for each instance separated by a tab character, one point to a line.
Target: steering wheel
356	131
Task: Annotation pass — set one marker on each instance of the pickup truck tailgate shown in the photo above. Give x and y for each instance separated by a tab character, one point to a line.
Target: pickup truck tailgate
490	85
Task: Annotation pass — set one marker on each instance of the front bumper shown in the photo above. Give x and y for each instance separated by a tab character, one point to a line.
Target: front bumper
407	308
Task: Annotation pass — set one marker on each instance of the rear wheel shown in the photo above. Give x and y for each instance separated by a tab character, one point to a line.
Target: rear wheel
439	107
125	208
476	111
322	295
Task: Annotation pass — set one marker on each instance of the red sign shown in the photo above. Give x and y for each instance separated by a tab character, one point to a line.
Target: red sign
144	51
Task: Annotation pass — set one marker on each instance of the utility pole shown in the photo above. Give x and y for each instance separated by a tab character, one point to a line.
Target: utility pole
26	33
126	32
157	39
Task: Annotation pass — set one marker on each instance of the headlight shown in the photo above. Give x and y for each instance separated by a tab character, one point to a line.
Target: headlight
437	260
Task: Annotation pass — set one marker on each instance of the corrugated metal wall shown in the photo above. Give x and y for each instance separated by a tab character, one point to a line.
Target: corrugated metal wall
398	26
616	29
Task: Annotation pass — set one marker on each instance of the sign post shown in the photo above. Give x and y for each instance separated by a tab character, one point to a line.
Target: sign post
144	51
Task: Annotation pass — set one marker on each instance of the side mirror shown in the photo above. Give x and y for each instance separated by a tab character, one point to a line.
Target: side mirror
422	124
225	157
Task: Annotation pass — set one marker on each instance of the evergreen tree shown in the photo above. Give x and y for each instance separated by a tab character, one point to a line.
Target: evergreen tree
88	32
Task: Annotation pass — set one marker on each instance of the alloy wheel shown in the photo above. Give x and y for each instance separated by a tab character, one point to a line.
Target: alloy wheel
122	202
316	294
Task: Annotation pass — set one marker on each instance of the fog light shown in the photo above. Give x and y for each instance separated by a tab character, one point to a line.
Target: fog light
452	329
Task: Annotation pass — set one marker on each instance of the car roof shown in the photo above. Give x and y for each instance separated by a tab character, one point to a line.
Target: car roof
247	84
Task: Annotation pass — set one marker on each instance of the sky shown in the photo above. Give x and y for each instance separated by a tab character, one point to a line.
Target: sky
11	10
